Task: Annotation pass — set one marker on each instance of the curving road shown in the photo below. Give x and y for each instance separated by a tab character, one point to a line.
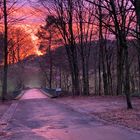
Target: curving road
41	118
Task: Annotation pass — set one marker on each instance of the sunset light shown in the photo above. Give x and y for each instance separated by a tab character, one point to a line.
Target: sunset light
69	69
39	53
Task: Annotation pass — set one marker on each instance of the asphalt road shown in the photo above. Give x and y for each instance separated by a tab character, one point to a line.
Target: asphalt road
40	118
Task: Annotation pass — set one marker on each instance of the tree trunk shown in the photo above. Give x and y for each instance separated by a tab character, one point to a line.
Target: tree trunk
73	52
4	86
50	61
60	76
127	77
120	64
139	71
75	76
102	50
99	75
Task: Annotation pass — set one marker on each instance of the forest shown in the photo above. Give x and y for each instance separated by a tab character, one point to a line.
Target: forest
85	47
69	69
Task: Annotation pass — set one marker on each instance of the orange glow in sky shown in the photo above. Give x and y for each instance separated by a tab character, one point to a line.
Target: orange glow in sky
39	53
29	19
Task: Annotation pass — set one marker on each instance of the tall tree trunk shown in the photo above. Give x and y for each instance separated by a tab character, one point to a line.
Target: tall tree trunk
50	61
121	36
50	77
99	74
60	75
102	50
127	78
83	50
119	69
73	51
4	86
139	71
85	80
75	76
95	75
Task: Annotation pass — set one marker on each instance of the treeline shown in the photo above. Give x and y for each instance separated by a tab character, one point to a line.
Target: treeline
20	46
79	23
15	42
56	72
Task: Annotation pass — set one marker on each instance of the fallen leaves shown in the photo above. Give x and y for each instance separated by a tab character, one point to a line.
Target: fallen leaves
128	118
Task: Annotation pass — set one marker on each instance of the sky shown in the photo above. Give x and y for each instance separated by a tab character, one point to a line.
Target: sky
32	18
32	10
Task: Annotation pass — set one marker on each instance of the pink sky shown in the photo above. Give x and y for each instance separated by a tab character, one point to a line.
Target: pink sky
32	18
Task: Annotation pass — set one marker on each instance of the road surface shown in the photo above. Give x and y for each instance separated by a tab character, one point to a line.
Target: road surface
33	94
40	118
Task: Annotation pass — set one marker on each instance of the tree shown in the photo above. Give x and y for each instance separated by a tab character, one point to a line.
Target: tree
20	45
136	4
49	38
119	12
102	45
63	21
119	24
84	19
8	8
4	86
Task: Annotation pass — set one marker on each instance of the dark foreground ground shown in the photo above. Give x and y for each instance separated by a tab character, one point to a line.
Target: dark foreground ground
37	117
4	107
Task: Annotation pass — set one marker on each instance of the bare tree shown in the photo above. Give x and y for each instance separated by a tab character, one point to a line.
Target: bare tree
4	87
84	20
63	19
8	8
119	24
